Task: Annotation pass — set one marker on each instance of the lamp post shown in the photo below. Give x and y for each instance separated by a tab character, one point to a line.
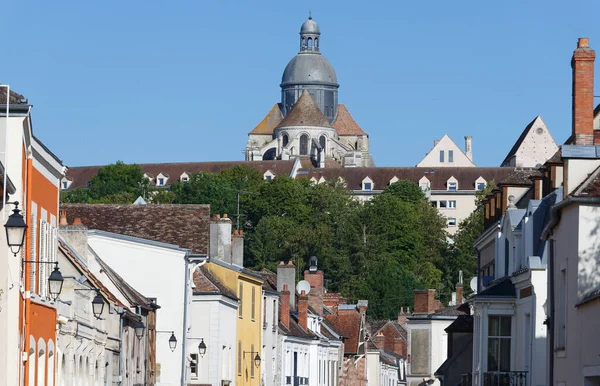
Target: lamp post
97	302
55	280
139	329
15	229
201	346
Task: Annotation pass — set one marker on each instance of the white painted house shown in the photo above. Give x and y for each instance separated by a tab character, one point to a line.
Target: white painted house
446	153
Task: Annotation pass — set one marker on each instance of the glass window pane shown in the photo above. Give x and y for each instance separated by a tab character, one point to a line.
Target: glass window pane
504	355
505	325
493	348
494	326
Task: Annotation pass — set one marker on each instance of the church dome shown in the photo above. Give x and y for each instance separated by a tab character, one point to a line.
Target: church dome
309	68
310	27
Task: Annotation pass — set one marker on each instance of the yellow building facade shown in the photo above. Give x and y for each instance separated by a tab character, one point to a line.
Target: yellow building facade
248	287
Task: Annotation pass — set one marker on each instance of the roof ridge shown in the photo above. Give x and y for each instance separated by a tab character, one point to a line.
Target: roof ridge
305	112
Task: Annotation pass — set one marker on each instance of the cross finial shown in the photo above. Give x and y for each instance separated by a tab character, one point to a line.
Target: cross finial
309	15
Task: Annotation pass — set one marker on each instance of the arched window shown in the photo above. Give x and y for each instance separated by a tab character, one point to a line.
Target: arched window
31	361
51	356
304	144
310	43
316	42
284	140
41	361
303	43
323	141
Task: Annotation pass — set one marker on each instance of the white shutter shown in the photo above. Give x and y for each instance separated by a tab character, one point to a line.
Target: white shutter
32	254
42	258
54	236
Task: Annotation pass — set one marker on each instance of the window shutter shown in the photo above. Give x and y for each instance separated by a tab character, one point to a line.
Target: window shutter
42	258
32	254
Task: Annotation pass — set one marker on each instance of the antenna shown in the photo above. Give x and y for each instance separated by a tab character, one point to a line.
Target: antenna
303	285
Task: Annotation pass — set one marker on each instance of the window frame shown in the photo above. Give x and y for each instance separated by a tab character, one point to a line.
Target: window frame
367	186
500	365
442	156
194	366
451	204
450	156
452	186
451	222
253	305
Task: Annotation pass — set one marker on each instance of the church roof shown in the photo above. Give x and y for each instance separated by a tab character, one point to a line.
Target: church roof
344	124
519	142
269	122
305	113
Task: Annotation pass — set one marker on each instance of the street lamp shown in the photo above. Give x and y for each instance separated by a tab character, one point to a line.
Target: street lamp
256	358
15	229
55	282
139	329
97	302
202	348
172	342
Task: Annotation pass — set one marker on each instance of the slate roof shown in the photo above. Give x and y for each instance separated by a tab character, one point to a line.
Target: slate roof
305	113
519	142
131	294
269	122
80	175
186	226
15	98
464	323
590	187
70	255
556	158
207	283
503	289
448	311
344	124
438	177
270	280
520	177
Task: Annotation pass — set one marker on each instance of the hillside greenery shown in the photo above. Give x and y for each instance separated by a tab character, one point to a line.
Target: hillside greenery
380	250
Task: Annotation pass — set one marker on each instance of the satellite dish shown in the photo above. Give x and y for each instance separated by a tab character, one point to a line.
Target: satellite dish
303	285
473	284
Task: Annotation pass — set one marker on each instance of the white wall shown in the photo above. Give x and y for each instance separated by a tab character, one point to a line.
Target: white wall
432	158
213	318
438	344
141	265
270	350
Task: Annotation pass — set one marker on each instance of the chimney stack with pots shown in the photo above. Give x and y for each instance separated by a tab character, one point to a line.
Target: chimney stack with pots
424	301
220	238
76	234
582	64
315	277
468	148
302	307
237	248
284	307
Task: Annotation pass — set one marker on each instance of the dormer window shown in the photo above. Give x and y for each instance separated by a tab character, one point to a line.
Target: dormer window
322	180
367	184
65	184
268	175
184	177
452	186
161	179
394	180
425	185
480	183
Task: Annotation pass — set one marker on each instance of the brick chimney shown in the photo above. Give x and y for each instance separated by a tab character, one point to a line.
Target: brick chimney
76	234
315	296
400	346
468	147
380	340
424	301
286	276
459	294
220	238
284	307
237	248
303	310
583	93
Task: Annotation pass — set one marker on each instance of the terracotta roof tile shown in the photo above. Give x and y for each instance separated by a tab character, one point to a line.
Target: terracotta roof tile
438	177
183	225
519	177
305	113
15	98
348	324
344	124
590	187
269	122
80	175
205	283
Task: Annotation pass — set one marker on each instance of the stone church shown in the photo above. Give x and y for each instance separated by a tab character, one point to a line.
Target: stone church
309	123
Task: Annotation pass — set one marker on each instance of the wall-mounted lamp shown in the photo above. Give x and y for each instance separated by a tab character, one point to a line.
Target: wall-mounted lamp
172	339
139	329
97	302
15	229
55	280
256	358
201	347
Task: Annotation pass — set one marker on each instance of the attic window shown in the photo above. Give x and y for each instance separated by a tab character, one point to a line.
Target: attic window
480	185
65	184
452	186
160	181
441	156
367	186
450	155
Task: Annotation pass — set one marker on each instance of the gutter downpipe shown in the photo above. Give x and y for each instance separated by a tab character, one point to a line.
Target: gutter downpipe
122	312
478	270
5	148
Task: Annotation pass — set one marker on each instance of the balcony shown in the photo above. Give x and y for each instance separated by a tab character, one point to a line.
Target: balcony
494	378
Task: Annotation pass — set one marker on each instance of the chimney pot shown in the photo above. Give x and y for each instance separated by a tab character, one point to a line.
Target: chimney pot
583	43
217	216
224	215
77	221
235	232
63	218
241	233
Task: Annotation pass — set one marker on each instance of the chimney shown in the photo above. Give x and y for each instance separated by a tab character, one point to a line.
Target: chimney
380	340
315	296
468	149
75	235
424	301
538	186
459	294
220	238
284	307
435	142
237	248
400	347
583	93
286	276
302	307
402	316
362	306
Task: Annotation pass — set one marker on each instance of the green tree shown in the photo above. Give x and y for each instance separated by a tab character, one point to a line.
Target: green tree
75	196
118	183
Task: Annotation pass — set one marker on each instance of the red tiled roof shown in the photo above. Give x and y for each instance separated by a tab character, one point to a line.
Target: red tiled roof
348	324
269	122
305	113
438	177
186	226
205	283
344	124
80	175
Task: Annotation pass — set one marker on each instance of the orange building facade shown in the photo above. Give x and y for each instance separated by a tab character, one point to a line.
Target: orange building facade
28	314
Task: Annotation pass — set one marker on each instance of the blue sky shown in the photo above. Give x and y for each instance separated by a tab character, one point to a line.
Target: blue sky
170	81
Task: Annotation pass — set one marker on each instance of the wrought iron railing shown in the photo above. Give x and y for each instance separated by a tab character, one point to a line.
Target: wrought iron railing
496	378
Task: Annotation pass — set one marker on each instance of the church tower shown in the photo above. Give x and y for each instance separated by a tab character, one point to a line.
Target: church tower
310	71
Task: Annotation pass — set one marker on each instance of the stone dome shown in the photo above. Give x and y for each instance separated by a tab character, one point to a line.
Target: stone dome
310	27
309	68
